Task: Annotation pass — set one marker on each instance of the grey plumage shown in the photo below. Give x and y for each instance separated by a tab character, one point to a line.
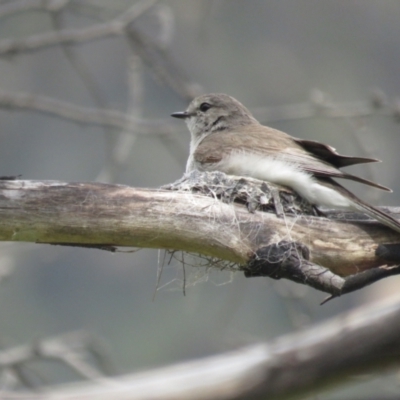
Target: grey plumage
226	137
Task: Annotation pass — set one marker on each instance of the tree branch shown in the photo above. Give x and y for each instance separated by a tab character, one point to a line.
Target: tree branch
115	27
320	105
21	6
74	350
102	214
293	366
84	115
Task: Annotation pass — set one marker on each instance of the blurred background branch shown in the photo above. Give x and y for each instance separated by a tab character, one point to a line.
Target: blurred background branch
292	366
73	36
84	355
81	115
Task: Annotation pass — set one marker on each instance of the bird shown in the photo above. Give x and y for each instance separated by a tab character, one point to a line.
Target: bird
226	137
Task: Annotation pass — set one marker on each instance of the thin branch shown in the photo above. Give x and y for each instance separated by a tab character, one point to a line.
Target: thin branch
159	61
120	148
322	107
162	65
71	112
79	66
123	121
115	27
92	10
21	6
95	92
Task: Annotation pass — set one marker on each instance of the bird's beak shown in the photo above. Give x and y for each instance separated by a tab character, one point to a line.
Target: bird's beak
181	115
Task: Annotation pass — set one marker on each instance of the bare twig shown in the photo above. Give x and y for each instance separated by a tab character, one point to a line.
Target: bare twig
119	120
119	148
96	94
326	109
82	70
161	64
115	27
154	55
69	111
21	6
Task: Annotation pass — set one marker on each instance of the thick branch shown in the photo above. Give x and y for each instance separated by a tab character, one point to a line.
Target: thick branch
101	214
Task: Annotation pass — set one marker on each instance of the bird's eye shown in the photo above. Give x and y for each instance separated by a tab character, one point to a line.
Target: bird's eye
204	107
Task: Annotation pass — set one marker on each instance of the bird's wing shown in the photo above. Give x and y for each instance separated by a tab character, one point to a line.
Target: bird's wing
262	140
330	155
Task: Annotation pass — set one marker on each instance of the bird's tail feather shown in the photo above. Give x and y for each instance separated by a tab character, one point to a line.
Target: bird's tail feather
378	214
362	206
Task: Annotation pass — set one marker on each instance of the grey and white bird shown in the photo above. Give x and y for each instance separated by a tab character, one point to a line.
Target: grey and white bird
226	137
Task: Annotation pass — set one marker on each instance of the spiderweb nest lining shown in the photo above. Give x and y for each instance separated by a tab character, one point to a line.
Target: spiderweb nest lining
253	193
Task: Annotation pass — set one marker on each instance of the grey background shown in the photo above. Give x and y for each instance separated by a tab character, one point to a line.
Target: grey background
266	54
